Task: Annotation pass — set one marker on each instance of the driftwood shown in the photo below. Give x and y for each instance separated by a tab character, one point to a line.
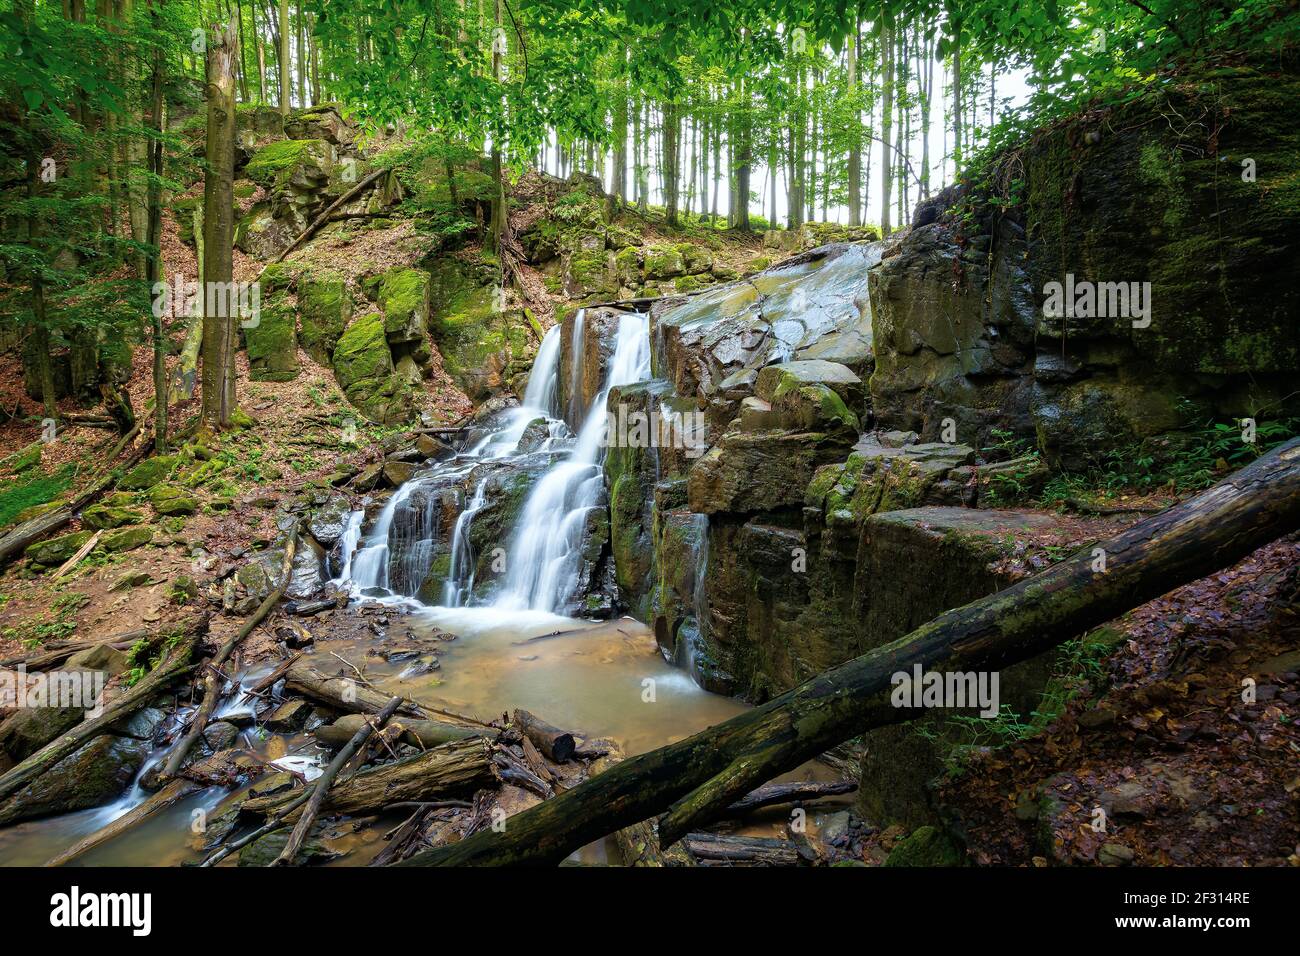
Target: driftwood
212	679
321	786
172	793
341	693
720	765
323	218
557	745
453	769
171	667
715	848
420	733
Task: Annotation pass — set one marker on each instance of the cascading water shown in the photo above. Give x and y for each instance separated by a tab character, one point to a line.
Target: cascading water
545	551
543	560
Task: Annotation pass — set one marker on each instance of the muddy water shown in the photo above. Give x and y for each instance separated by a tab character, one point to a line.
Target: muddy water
600	679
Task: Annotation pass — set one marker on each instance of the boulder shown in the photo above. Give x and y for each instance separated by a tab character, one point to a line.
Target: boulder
148	473
103	516
328	522
363	366
88	777
324	310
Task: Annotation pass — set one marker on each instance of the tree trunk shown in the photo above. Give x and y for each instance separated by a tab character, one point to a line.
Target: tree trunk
855	137
451	770
284	57
718	766
153	238
886	120
218	230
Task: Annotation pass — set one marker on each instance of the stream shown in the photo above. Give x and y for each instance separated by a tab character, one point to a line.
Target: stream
501	644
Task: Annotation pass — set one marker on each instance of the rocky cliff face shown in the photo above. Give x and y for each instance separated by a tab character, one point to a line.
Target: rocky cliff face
1197	219
847	397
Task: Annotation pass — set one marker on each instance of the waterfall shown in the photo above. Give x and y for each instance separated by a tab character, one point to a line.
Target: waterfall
348	544
544	557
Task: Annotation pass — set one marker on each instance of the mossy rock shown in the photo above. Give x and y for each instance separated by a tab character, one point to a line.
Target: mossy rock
364	368
477	341
277	163
90	776
106	516
664	261
54	551
272	343
324	309
925	846
127	539
28	458
148	473
170	502
403	295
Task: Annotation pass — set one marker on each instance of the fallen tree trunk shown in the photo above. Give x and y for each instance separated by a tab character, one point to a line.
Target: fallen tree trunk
55	653
174	792
172	666
720	765
321	787
756	851
341	693
460	767
421	733
558	745
212	679
776	794
324	216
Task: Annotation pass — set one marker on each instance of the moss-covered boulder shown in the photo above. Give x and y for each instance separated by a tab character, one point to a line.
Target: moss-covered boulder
170	501
364	368
302	163
54	551
663	261
126	539
148	473
102	516
477	338
324	310
272	341
93	775
403	296
925	846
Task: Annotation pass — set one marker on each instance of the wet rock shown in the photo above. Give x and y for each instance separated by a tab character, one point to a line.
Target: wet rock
397	473
433	449
144	724
220	735
92	775
264	850
534	436
328	522
288	717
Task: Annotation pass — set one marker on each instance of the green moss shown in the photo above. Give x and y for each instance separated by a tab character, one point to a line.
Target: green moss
148	473
274	163
30	492
127	539
324	308
403	295
926	846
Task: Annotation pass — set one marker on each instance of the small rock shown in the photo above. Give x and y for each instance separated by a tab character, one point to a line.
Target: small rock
1114	854
289	716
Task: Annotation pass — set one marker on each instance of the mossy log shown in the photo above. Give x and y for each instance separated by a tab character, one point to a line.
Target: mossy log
453	769
174	664
720	765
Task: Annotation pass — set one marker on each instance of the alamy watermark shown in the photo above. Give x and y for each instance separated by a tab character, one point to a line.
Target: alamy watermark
947	689
62	689
1098	300
221	300
627	428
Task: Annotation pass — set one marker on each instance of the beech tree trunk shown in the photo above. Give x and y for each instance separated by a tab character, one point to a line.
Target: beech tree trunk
218	231
720	765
